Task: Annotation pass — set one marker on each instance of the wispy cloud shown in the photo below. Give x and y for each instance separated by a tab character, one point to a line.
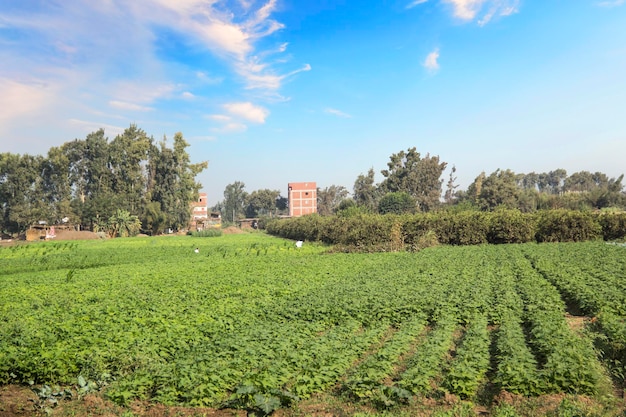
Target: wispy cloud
415	3
258	80
431	63
482	10
107	54
232	36
89	126
247	111
237	117
336	112
123	105
611	3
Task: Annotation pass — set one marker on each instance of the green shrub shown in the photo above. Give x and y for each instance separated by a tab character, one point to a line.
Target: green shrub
464	228
397	203
566	226
510	226
416	231
613	224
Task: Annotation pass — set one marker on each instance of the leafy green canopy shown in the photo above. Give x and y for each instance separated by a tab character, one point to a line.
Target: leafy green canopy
87	181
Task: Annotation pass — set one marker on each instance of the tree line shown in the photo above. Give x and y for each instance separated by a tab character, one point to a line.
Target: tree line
134	183
414	183
119	186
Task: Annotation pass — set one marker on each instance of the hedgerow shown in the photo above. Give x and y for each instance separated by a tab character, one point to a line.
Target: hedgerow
396	232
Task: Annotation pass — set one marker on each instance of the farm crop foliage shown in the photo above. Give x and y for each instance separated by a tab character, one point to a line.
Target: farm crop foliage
252	321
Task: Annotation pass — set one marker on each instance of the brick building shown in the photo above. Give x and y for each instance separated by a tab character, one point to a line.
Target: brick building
302	198
199	211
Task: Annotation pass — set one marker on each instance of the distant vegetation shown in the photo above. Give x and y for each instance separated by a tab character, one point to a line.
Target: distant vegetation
123	186
133	184
413	184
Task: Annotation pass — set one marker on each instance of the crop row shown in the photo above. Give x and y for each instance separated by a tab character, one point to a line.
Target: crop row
254	317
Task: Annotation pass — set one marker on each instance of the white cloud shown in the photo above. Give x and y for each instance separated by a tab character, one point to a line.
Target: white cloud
229	35
123	105
238	114
483	10
187	95
248	111
258	80
431	62
415	3
115	39
465	9
336	112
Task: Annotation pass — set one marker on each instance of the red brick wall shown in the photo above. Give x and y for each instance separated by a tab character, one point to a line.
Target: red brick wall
302	198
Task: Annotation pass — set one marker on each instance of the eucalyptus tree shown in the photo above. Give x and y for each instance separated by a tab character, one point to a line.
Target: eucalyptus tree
499	189
365	192
171	180
57	185
329	198
419	177
128	153
20	188
91	178
234	200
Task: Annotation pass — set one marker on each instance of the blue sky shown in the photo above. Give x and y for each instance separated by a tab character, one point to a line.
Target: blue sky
278	91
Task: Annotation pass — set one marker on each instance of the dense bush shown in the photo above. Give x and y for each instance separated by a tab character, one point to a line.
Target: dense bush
510	226
613	224
415	231
566	226
397	203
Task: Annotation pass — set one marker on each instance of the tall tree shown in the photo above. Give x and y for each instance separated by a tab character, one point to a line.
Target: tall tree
20	191
365	192
91	178
579	182
498	189
419	177
556	180
530	181
127	153
282	204
261	202
234	200
171	181
451	186
329	198
57	186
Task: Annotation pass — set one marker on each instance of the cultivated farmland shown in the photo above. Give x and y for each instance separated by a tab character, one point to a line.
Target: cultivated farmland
253	322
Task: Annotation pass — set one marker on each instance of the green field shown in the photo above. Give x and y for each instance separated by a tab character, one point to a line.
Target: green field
253	322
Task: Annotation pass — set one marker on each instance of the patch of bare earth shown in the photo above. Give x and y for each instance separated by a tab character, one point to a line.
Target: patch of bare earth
75	235
576	323
16	401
